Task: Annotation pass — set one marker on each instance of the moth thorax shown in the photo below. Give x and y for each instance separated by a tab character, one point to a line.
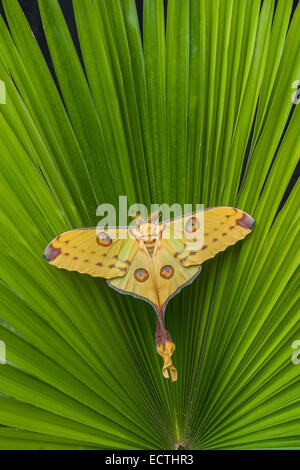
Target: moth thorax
150	245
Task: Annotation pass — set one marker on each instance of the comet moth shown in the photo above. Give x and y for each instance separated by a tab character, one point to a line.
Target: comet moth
152	261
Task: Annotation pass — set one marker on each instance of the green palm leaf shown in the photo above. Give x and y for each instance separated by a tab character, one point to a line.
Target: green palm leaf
163	118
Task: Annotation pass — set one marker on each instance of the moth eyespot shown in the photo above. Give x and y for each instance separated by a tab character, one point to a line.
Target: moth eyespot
141	275
103	239
167	271
192	225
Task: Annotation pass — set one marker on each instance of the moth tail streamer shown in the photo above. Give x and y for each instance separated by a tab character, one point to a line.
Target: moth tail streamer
165	348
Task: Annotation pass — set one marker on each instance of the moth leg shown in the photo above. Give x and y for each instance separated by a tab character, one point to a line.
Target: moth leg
165	348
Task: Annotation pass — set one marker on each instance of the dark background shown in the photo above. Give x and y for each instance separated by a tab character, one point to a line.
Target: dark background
30	8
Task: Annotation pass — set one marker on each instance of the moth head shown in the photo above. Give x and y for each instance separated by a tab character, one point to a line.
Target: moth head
148	231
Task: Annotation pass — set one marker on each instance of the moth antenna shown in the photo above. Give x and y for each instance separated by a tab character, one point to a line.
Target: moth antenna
139	219
154	217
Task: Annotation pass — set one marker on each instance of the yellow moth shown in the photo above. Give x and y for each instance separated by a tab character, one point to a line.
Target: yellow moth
154	261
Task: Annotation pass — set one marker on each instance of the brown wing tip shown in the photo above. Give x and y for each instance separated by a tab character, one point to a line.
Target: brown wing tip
246	221
51	253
